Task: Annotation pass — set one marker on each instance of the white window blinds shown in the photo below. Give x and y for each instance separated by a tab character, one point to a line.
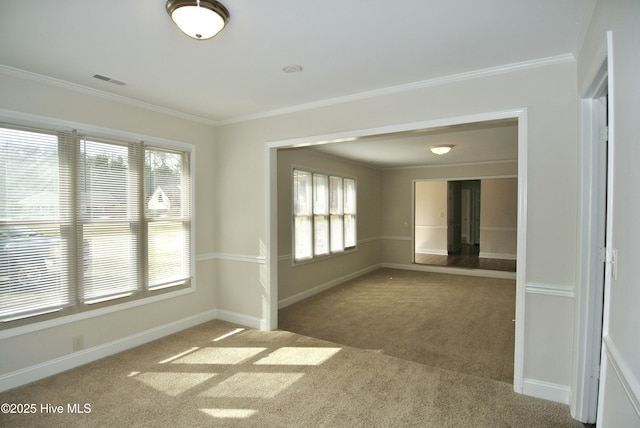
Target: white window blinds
87	220
34	247
324	208
168	217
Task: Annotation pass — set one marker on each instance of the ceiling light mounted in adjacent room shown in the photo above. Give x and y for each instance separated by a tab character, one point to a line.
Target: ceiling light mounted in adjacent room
442	149
199	19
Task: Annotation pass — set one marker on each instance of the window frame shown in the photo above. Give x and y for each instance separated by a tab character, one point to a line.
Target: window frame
147	295
331	251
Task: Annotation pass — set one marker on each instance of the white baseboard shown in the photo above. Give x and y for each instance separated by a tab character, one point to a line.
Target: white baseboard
431	251
451	270
546	390
323	287
503	256
76	359
237	318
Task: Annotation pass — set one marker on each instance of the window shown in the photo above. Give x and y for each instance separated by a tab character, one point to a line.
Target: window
87	222
324	211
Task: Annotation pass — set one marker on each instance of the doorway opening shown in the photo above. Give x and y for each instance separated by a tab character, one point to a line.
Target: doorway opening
275	275
596	254
449	229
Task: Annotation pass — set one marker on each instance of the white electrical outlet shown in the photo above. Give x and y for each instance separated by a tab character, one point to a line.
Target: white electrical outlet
78	343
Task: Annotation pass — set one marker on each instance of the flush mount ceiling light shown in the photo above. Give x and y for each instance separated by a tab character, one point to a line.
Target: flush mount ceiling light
200	19
442	149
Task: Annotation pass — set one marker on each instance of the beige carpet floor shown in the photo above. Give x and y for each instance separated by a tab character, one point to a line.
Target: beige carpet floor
216	375
454	322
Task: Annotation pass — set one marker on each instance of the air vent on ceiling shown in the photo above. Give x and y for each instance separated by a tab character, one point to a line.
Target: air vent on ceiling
109	79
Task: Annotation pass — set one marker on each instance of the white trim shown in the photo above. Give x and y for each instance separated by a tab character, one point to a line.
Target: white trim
550	290
546	390
237	318
396	238
424	226
487	72
606	308
240	258
521	251
592	223
453	165
231	257
541	62
34	77
432	251
76	359
367	240
323	287
93	313
483	273
623	372
271	154
503	256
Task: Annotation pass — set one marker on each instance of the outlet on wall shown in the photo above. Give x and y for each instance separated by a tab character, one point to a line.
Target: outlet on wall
78	343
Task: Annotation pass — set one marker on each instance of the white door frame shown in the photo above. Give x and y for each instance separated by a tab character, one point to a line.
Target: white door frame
269	278
595	267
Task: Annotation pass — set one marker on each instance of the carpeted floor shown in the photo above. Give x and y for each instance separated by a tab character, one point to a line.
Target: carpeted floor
220	375
454	322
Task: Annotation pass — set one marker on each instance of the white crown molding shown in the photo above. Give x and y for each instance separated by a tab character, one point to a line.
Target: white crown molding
35	77
459	164
508	68
542	62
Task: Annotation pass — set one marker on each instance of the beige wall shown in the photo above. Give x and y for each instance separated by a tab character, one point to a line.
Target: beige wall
499	218
30	346
431	217
397	206
547	93
296	281
231	201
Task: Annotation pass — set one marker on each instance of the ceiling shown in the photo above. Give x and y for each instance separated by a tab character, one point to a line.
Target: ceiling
488	141
346	49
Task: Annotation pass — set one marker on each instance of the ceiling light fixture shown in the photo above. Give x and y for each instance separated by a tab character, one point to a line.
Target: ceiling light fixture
200	19
292	68
442	149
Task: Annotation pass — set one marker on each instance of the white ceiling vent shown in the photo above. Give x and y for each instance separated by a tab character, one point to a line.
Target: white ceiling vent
109	79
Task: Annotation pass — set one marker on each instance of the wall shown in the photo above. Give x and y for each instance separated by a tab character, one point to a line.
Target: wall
499	218
548	93
296	282
619	400
397	197
27	353
431	217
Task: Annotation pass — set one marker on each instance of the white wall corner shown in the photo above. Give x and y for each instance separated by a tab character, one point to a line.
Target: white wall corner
241	319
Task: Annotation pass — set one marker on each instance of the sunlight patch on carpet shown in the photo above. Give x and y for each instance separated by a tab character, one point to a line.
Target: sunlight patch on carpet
230	413
173	384
219	356
231	333
295	356
181	354
253	385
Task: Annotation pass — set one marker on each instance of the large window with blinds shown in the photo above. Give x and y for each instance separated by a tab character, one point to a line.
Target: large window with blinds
87	222
324	214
